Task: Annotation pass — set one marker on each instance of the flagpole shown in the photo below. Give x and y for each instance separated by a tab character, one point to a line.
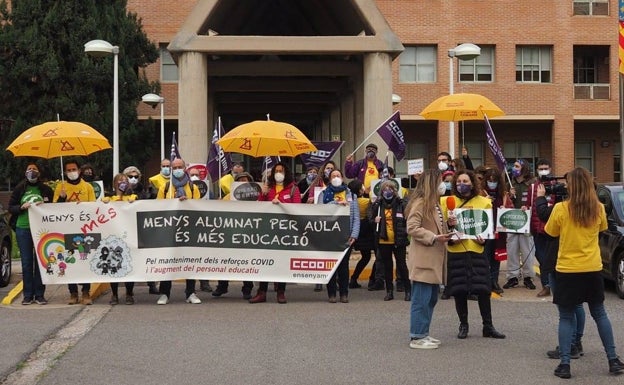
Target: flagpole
172	156
364	141
219	156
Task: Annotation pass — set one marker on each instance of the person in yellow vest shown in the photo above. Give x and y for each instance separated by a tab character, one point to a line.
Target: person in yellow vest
179	187
122	192
75	189
226	181
160	179
366	170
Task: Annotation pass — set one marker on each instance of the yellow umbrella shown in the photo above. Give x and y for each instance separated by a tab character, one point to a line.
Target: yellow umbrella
53	139
459	107
266	138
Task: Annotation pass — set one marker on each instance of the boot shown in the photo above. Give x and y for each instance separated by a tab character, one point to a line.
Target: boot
496	287
281	297
490	332
73	299
463	331
408	295
260	297
114	300
86	299
389	296
353	284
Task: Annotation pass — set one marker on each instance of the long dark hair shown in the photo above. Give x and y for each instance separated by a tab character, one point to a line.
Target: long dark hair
476	188
288	177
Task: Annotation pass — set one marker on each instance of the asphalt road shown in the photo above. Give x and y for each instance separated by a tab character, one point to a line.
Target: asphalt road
307	341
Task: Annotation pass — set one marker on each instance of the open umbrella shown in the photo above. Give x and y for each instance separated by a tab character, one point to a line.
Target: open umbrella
54	139
460	107
266	138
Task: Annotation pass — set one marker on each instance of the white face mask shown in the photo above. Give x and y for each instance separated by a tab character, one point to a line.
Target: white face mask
543	172
441	188
73	175
443	166
336	182
279	177
194	178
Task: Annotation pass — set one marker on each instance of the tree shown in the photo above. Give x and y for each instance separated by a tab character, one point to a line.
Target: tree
45	73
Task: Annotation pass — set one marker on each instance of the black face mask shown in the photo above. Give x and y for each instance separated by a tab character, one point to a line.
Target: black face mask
87	178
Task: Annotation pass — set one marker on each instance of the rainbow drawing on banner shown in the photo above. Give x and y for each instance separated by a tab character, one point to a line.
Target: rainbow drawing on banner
50	244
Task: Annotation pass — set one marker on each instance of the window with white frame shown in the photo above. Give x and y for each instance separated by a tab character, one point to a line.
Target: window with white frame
534	64
414	150
591	7
168	67
479	69
417	64
584	154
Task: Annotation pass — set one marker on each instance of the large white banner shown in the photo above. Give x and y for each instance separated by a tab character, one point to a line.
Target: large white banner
157	240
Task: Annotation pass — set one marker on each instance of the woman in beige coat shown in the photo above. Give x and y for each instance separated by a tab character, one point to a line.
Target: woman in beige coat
427	255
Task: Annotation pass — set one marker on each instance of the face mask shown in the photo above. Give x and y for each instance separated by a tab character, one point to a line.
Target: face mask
165	171
88	178
32	175
464	189
73	175
279	177
327	172
442	188
543	172
388	194
178	173
336	182
370	154
448	186
310	177
194	178
443	166
492	185
122	186
515	172
133	181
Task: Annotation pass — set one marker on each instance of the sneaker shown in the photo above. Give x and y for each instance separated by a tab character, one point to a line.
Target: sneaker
433	340
114	300
193	299
129	299
344	299
218	292
545	292
422	343
616	366
332	299
511	282
27	301
163	300
575	353
563	371
86	299
41	301
528	283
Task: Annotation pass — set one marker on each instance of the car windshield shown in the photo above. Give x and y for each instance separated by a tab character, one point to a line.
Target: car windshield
619	203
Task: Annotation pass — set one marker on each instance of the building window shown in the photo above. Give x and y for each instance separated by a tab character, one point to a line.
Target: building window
475	152
521	150
591	72
617	155
534	64
591	7
414	150
480	69
584	155
168	68
417	64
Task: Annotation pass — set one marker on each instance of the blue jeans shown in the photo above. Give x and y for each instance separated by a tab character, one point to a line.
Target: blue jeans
33	287
567	326
579	312
424	299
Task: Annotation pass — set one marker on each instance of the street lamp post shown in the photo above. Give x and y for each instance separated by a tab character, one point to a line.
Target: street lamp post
153	100
466	51
99	48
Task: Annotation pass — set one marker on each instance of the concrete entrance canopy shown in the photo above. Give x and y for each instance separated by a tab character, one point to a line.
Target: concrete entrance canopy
322	65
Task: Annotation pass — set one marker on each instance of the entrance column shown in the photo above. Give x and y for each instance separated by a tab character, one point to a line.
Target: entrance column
193	107
377	96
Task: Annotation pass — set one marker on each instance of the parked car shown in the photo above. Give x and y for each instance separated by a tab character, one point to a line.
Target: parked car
5	248
612	240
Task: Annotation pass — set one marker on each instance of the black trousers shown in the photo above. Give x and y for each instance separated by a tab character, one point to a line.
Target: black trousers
385	253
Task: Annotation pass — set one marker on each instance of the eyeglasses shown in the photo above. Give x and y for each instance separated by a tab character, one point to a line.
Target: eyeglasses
133	177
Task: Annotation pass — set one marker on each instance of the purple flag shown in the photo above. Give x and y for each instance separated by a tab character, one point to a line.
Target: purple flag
494	147
325	151
175	152
269	162
219	163
391	133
